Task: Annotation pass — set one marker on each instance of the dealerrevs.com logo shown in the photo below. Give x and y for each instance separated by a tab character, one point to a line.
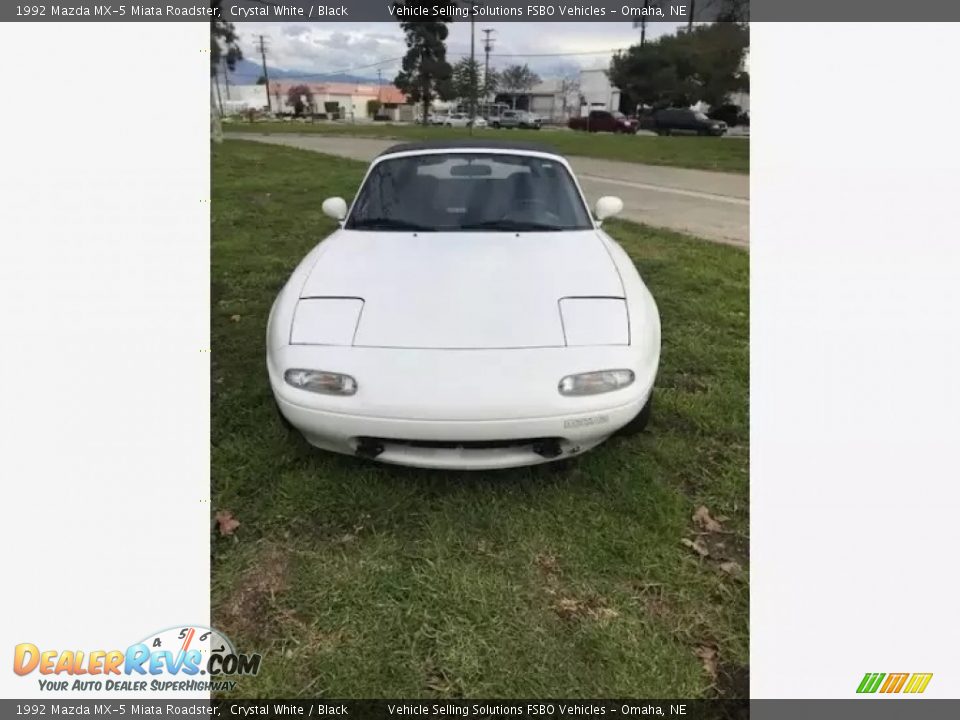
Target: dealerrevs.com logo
180	658
892	683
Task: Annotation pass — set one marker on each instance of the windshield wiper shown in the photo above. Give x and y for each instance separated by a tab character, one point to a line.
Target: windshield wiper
386	224
515	225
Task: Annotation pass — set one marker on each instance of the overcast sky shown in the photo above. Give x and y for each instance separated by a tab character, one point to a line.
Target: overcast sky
352	47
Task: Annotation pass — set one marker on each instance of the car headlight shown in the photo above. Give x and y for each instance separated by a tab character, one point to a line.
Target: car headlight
594	383
320	381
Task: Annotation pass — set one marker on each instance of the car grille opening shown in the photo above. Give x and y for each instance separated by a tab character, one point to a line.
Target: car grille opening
548	447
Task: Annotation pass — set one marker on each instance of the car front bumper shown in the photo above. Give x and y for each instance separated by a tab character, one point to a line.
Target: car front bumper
460	410
461	444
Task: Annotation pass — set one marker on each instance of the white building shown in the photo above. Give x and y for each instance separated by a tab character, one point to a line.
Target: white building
597	92
239	98
551	101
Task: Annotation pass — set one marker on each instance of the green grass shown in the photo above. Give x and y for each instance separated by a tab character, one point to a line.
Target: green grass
705	153
362	580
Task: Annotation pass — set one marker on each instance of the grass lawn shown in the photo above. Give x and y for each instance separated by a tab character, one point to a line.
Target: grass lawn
705	153
362	580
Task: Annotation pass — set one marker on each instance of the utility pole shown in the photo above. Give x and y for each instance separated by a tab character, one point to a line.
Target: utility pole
262	47
379	85
487	47
226	80
215	126
216	84
473	72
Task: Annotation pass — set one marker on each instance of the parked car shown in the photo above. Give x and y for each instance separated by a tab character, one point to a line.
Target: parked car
437	118
516	119
468	312
685	120
604	121
479	122
456	120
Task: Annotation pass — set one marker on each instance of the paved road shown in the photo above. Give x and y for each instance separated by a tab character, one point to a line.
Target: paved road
711	205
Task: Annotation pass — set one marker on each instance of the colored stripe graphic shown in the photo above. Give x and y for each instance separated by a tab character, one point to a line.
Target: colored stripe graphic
870	682
894	683
918	682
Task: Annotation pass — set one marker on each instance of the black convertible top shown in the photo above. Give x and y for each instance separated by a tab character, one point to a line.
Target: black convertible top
471	144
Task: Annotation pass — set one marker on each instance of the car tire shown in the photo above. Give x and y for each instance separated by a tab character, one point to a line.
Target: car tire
639	423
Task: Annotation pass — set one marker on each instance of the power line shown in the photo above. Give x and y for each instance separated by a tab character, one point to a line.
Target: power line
562	54
306	76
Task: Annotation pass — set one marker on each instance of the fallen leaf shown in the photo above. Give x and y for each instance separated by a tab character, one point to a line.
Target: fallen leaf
226	522
731	568
696	545
708	655
702	519
235	318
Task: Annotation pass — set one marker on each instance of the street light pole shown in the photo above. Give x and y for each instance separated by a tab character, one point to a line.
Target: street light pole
473	72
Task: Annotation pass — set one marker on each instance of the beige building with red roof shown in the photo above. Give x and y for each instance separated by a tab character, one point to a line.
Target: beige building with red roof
351	98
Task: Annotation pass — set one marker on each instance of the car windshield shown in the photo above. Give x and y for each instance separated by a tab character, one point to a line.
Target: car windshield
701	116
469	191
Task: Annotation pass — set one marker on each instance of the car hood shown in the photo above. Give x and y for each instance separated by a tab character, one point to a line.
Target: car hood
462	290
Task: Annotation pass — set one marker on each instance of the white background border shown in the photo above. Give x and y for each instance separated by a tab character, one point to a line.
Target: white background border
104	368
855	289
855	356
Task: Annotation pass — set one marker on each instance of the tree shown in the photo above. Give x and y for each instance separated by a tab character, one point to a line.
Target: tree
466	80
703	64
223	32
295	97
491	83
717	52
517	80
425	73
569	87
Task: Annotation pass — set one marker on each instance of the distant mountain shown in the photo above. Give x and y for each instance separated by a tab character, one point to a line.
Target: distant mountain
247	72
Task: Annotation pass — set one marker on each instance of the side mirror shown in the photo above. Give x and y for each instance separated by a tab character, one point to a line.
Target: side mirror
336	207
607	206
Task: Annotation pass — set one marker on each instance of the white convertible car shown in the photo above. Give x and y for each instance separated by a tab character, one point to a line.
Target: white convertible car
468	313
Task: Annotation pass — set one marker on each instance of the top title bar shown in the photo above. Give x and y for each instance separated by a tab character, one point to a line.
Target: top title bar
238	11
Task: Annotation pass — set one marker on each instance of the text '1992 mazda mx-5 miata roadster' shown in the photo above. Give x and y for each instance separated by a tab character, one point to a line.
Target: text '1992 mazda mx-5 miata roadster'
469	313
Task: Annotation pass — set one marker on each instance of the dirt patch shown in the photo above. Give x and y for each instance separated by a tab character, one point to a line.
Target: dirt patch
654	599
733	681
725	550
547	563
592	607
251	611
565	604
723	547
686	382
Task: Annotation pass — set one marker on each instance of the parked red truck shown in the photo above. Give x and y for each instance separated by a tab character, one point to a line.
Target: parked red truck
604	121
